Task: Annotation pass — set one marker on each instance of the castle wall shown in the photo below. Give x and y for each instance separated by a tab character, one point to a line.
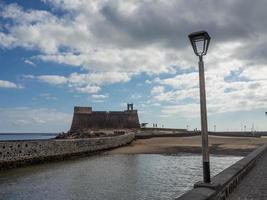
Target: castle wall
101	119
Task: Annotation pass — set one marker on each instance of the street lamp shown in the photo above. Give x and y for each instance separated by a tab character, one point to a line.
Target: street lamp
200	43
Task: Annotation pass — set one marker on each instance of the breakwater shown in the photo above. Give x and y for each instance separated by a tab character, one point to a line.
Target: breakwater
238	134
168	132
17	153
145	133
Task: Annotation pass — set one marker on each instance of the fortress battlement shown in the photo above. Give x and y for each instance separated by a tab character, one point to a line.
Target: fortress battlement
86	118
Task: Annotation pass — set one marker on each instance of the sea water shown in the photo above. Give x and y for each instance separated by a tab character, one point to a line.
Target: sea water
26	136
108	177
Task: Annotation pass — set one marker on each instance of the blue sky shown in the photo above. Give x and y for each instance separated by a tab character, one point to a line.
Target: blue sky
57	54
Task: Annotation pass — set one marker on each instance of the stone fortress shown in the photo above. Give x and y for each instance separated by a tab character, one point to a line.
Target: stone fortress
91	131
85	118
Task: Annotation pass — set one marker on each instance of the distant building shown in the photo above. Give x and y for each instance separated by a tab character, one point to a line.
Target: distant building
86	118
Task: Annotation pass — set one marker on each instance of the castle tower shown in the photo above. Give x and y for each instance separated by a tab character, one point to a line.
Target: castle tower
130	107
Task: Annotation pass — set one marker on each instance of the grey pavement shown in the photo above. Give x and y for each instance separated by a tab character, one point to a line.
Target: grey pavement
254	185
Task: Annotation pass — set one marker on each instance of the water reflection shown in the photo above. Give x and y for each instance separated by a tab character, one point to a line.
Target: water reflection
109	177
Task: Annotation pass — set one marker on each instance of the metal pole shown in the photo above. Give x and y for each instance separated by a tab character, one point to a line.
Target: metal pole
204	123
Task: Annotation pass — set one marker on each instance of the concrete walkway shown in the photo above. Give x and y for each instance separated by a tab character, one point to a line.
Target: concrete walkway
254	185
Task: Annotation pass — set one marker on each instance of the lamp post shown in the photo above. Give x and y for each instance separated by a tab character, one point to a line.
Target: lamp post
200	43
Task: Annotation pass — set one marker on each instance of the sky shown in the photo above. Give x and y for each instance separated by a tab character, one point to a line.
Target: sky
57	54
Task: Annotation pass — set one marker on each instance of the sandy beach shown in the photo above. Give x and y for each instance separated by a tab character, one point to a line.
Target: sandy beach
169	145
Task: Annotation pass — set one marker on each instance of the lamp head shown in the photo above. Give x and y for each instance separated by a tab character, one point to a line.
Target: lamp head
200	42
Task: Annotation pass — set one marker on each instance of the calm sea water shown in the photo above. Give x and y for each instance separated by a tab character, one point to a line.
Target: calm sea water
109	177
26	136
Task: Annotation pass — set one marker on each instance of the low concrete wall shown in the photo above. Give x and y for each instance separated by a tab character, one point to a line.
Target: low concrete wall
164	129
168	132
261	133
236	134
145	133
16	153
225	182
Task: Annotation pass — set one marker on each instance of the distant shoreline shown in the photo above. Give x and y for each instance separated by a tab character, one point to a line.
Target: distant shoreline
26	136
28	133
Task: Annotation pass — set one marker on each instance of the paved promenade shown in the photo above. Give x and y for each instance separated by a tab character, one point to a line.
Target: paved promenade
254	185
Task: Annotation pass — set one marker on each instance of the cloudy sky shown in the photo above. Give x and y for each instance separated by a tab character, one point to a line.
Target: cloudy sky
55	54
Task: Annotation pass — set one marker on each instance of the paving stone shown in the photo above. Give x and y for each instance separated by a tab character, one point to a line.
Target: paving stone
254	185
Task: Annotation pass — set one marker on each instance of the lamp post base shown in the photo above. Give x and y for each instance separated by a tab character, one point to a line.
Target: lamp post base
212	186
206	172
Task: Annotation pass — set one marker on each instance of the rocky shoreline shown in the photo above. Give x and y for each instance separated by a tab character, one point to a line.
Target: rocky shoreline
94	133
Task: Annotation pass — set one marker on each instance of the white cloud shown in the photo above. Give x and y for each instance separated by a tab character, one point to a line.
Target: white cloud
113	41
88	89
53	79
157	89
99	78
15	12
135	96
29	62
9	84
48	96
84	83
231	85
222	95
6	41
255	73
186	110
181	81
99	96
27	76
148	81
148	60
24	119
37	29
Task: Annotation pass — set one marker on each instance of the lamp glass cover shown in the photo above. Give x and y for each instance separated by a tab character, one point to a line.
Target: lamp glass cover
199	46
